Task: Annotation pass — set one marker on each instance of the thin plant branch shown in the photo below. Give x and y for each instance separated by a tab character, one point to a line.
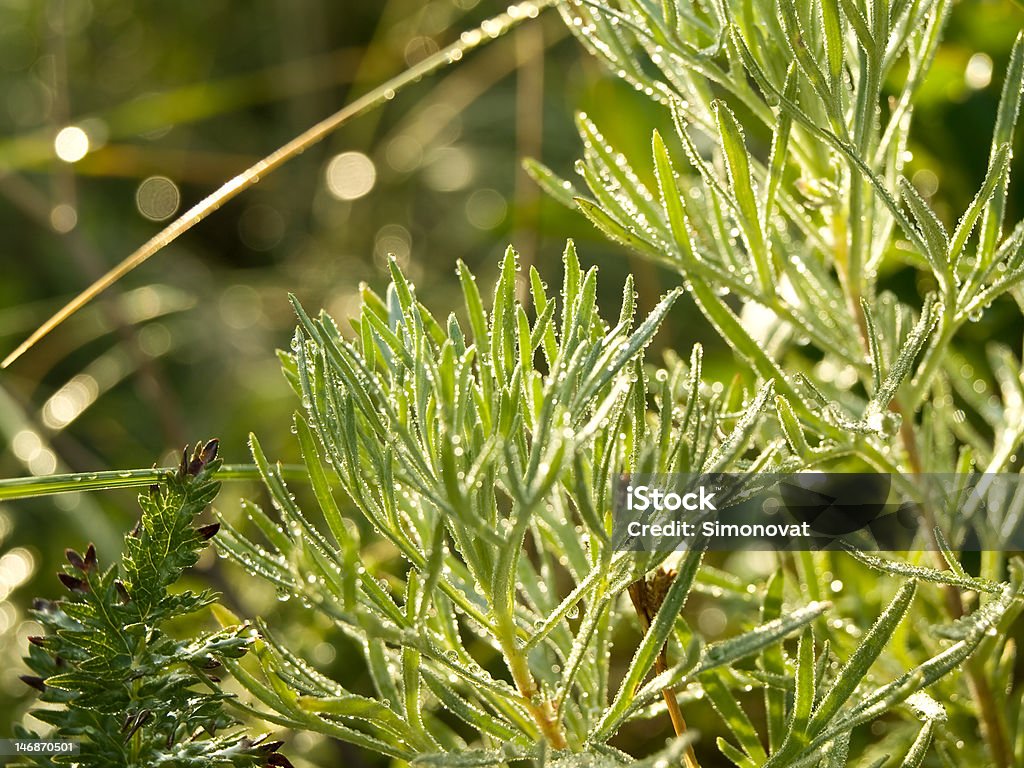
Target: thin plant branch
75	482
646	600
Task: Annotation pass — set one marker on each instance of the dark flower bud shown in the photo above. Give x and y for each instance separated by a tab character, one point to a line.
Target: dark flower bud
133	723
75	559
73	583
207	532
122	591
90	557
209	451
279	761
33	682
201	456
37	640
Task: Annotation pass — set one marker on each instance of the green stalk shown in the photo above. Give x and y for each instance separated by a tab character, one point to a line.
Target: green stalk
49	485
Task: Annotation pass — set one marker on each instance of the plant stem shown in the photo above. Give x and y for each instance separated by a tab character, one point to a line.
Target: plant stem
674	712
49	485
643	603
537	704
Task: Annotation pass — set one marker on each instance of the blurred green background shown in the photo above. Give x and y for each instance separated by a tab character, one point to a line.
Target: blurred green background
153	105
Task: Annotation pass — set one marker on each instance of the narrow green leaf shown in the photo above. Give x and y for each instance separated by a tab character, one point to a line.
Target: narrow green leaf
903	364
922	573
545	313
671	197
874	348
468	758
668	10
995	180
329	507
934	233
411	699
467	712
734	755
738	440
558	188
881	700
402	286
879	27
742	186
636	343
856	668
727	651
1006	123
502	325
949	555
835	753
796	39
773	663
734	717
791	428
381	672
919	749
475	308
613	229
571	281
804	689
356	707
835	48
780	152
859	22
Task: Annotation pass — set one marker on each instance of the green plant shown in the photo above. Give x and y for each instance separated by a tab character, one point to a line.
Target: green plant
473	445
118	682
802	240
788	252
493	454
